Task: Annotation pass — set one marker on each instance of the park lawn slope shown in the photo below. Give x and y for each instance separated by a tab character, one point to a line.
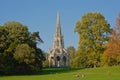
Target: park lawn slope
106	73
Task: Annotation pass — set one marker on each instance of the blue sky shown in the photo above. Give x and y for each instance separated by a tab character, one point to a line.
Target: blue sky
40	15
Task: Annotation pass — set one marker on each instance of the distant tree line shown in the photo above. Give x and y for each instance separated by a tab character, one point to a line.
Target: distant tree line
18	49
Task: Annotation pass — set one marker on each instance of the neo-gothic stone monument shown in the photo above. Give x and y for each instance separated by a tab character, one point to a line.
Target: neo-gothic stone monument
58	56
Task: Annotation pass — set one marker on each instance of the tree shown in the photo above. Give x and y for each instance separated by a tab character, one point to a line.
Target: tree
112	53
94	32
18	49
71	50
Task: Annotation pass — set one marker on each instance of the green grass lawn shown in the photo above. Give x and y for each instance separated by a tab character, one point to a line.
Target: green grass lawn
108	73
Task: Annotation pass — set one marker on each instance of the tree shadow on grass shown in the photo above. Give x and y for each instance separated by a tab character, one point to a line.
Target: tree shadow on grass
46	71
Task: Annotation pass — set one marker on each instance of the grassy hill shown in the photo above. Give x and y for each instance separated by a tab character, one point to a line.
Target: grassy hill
108	73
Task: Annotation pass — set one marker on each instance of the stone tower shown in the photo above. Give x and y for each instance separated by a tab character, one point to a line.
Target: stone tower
58	56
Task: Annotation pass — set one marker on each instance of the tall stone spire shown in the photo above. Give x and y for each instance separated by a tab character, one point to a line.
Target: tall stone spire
58	56
58	38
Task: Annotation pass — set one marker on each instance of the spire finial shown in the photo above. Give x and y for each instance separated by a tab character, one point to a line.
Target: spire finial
58	17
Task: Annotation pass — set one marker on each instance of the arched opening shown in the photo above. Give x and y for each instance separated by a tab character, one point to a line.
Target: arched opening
64	61
52	57
58	61
58	58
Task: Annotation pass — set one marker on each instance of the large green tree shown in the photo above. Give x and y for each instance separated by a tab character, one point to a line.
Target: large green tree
94	32
18	49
